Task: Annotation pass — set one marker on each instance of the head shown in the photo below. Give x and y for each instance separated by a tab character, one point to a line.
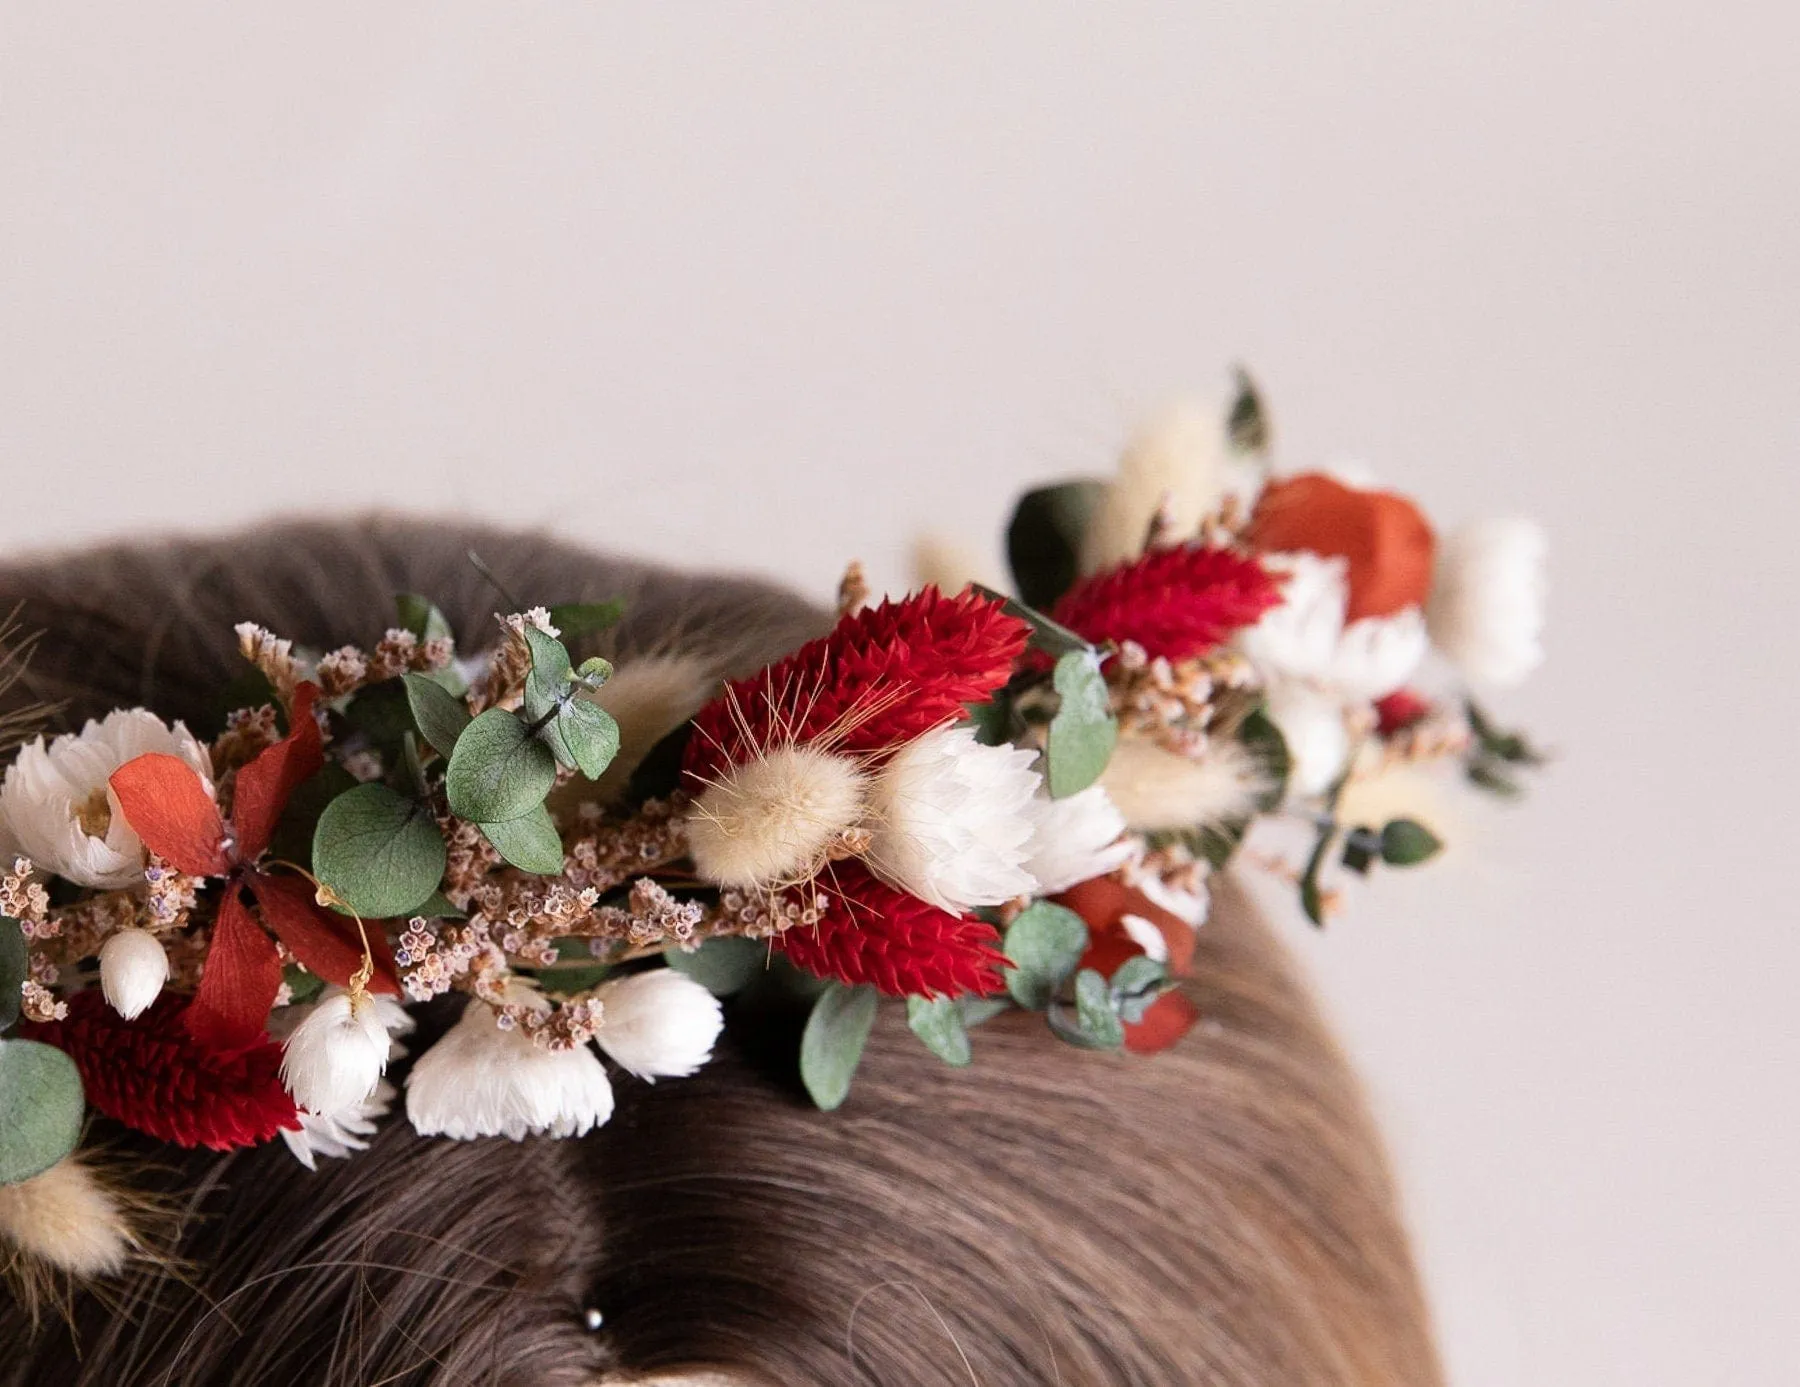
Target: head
1221	1212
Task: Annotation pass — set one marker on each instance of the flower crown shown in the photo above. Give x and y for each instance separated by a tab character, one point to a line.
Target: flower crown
969	802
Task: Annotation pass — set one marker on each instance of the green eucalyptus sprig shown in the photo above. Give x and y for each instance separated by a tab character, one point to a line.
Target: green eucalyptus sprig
42	1104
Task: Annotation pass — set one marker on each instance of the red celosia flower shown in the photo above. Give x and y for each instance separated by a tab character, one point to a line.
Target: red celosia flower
1401	709
154	1076
882	677
1177	603
1385	540
166	803
1103	903
872	934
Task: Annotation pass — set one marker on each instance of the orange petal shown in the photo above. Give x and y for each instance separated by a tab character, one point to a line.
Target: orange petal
1170	1017
166	804
264	785
329	944
240	980
1385	540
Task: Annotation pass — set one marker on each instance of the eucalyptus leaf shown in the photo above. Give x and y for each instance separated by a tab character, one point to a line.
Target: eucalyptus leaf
938	1022
421	616
547	684
1083	732
978	1010
578	619
498	771
380	713
1312	897
1247	424
723	966
1263	739
992	721
380	852
1044	944
1136	983
1094	1012
302	985
437	906
530	842
15	967
439	714
1053	638
1043	540
831	1047
1406	843
585	734
41	1108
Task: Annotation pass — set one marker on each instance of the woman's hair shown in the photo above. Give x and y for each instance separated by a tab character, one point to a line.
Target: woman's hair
1221	1213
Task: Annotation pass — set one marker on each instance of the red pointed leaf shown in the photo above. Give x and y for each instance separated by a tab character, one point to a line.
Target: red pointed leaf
165	802
239	982
327	943
264	785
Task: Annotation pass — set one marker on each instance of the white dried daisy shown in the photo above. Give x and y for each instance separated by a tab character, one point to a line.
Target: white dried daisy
1488	599
1076	839
481	1081
57	806
659	1024
952	820
1306	637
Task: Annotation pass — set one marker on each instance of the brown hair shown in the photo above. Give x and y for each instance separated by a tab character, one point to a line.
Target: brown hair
1221	1213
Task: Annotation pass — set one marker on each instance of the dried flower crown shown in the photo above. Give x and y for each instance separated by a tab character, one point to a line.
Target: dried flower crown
970	802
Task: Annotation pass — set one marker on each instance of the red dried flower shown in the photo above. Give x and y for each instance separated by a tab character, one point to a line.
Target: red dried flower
872	934
1400	710
1177	603
165	802
1103	903
153	1076
882	677
1384	539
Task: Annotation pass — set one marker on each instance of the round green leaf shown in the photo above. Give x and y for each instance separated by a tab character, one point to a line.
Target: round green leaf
14	969
499	771
831	1046
1082	733
439	714
578	619
421	616
1138	982
379	851
1094	1012
1045	944
41	1107
1406	843
938	1021
589	735
530	842
723	966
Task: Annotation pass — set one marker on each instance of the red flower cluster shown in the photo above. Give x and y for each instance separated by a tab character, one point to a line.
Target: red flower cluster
1400	710
884	676
1383	537
1176	603
1104	903
168	806
875	935
153	1075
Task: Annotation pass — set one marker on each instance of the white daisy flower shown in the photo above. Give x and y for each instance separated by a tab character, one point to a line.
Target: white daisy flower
1306	637
56	805
952	820
659	1024
1488	598
1076	839
481	1081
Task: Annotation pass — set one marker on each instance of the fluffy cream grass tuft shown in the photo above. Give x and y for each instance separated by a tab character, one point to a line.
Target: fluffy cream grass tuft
1180	459
1156	789
772	820
69	1224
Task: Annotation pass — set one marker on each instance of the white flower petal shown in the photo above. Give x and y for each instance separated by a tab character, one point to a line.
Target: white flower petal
133	969
952	820
336	1055
55	793
1488	600
1377	655
659	1024
1076	839
481	1081
1318	741
1299	639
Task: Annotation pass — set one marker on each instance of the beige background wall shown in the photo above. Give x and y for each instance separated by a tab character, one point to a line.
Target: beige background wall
755	286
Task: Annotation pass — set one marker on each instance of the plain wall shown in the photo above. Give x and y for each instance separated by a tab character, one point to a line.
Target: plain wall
777	286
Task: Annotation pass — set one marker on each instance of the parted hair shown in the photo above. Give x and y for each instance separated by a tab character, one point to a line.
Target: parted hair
1220	1214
